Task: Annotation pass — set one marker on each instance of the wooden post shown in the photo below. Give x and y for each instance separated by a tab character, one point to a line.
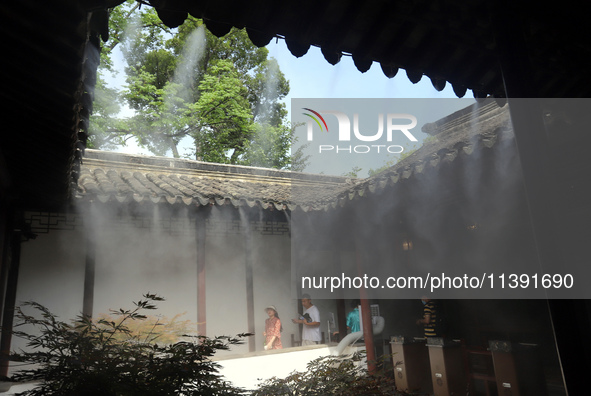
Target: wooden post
249	284
366	319
9	303
339	294
89	272
342	321
201	291
5	233
5	229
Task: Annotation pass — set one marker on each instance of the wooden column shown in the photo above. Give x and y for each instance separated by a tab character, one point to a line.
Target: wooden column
89	272
296	246
5	229
366	318
337	268
201	291
5	233
248	263
10	302
342	321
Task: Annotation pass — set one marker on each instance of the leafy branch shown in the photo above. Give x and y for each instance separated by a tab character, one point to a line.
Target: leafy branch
333	375
105	357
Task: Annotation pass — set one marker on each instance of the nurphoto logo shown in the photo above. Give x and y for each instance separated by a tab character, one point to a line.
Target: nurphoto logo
393	124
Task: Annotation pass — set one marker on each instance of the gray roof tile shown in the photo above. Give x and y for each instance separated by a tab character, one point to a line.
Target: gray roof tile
123	178
114	177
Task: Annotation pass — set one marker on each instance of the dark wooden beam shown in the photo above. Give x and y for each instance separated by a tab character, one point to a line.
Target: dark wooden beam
366	320
89	274
10	303
201	291
5	234
249	277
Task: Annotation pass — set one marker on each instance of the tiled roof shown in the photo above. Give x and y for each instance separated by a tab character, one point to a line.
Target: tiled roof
115	177
53	48
459	134
463	133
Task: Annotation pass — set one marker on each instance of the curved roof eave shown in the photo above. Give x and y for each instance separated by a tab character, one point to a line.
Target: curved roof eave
123	178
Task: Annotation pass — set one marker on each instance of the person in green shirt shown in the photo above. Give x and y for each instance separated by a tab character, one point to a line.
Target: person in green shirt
353	319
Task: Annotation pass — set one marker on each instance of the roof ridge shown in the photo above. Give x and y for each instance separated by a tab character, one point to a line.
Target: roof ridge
476	111
179	164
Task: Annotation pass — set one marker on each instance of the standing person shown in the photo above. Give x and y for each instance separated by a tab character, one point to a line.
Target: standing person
311	321
353	317
273	329
429	319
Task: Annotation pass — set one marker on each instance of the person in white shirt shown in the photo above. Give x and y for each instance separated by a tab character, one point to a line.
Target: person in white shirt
311	321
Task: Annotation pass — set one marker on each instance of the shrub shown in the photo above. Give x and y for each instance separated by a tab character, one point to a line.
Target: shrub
104	357
331	375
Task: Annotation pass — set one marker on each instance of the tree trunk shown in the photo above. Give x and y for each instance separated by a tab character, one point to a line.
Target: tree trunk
173	147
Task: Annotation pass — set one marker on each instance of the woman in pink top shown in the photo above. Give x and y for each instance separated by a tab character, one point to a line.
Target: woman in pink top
272	329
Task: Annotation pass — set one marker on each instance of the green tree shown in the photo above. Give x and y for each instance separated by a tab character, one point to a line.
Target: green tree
106	130
223	93
104	122
354	172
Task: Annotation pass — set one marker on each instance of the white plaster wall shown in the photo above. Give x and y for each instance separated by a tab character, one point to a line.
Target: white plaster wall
50	260
132	260
226	287
52	273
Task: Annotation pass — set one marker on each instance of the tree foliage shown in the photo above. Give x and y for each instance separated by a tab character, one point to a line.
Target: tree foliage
106	358
223	94
123	354
332	375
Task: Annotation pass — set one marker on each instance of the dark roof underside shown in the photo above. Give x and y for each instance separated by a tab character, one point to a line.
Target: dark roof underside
50	53
449	41
49	59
